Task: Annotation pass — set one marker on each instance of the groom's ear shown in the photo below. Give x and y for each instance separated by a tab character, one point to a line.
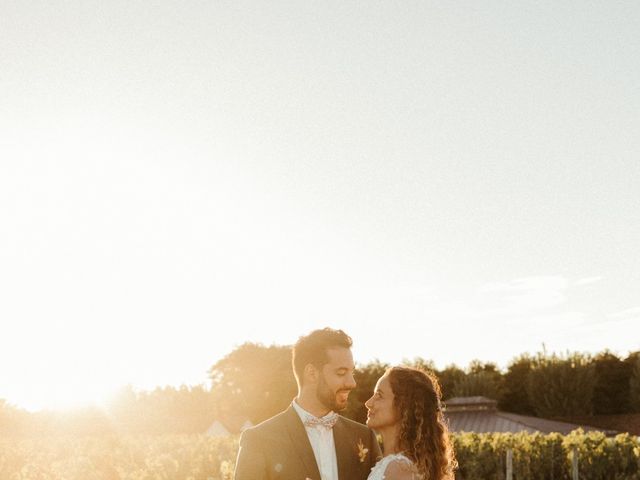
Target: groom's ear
310	373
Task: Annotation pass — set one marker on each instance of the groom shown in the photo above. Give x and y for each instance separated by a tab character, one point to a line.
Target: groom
309	440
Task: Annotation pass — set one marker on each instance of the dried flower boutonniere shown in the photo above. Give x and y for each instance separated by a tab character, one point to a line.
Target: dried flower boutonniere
362	452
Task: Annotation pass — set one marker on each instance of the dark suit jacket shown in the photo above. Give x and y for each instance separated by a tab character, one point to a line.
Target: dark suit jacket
279	449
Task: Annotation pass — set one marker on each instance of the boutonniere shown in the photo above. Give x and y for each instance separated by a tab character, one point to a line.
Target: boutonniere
362	452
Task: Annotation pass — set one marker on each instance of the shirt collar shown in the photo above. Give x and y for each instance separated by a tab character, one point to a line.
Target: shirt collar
303	414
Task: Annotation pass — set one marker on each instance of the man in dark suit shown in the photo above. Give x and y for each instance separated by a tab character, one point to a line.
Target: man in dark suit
309	440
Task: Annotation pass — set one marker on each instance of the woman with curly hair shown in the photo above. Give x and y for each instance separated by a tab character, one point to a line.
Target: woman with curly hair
405	410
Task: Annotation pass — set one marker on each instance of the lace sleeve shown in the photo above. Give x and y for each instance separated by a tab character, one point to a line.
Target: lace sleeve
399	467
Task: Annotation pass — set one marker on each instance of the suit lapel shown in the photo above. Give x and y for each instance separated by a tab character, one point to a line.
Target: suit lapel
301	444
345	452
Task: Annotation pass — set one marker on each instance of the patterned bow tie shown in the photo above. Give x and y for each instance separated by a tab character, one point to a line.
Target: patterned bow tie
328	421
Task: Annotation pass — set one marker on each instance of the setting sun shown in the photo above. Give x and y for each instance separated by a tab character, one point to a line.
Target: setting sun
61	394
188	188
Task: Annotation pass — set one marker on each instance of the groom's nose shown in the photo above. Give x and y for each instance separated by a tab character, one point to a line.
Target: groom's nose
350	382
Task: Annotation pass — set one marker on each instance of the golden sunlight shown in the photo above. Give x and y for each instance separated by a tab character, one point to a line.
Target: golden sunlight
62	395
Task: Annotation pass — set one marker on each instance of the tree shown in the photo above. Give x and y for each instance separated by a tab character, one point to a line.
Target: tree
476	366
421	364
448	379
254	381
611	390
165	410
124	409
514	397
634	386
561	386
482	379
13	421
366	377
477	384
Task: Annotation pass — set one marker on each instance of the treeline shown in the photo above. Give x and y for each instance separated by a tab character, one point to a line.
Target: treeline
168	410
257	382
254	382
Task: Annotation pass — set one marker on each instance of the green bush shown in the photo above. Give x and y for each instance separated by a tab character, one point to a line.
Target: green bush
166	457
542	457
197	457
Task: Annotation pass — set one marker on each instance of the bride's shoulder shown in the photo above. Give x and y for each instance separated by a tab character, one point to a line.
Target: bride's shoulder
399	467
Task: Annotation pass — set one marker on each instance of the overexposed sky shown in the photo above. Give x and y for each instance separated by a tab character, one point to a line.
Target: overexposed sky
450	180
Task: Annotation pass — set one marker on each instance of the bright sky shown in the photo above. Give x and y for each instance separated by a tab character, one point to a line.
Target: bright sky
449	180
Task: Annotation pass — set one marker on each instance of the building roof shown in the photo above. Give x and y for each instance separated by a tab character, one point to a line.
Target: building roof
480	415
456	404
232	424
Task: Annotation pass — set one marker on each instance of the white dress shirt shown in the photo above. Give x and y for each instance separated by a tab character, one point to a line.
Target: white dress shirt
323	446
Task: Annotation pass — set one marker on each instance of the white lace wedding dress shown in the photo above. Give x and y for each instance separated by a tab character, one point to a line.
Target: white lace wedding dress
380	468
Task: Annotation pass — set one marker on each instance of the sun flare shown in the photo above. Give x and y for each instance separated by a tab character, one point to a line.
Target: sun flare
61	396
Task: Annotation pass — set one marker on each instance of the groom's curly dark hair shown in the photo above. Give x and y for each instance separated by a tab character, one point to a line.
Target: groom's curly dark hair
312	349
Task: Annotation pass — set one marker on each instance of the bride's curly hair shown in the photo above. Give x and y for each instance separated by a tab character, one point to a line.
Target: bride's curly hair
424	435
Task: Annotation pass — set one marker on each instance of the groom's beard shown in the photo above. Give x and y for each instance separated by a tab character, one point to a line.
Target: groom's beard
328	398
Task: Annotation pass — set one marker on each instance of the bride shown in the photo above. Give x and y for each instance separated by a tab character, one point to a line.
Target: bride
405	410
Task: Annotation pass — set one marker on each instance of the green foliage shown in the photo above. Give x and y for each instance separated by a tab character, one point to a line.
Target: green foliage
165	410
483	379
611	389
366	377
514	396
634	386
477	458
12	419
448	379
197	457
561	386
473	384
602	458
535	456
541	457
170	457
420	363
254	381
476	366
